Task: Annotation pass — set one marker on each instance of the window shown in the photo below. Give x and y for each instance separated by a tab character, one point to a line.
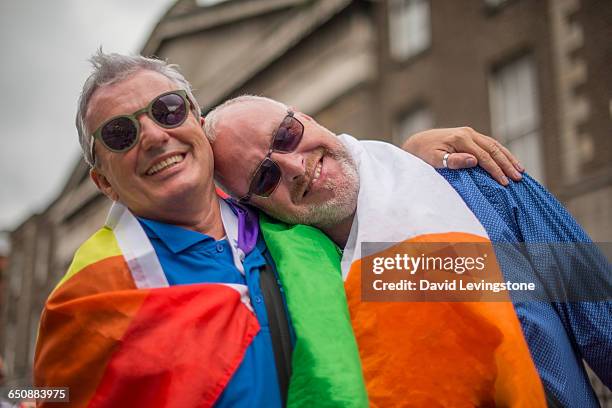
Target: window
515	117
414	121
409	27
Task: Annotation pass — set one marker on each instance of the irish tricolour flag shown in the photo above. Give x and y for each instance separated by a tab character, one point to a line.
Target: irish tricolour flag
428	354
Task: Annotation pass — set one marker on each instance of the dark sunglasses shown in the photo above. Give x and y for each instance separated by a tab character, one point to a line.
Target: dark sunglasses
120	133
268	174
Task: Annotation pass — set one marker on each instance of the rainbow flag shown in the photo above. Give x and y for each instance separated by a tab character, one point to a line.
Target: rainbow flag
428	354
116	334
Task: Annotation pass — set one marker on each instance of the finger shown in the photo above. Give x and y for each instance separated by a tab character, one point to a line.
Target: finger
461	161
513	159
499	154
496	150
486	161
436	158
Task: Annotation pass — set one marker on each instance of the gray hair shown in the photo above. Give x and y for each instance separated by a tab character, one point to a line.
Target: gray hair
212	117
112	68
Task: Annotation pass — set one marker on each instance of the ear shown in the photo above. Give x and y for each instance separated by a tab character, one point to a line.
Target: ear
202	123
102	183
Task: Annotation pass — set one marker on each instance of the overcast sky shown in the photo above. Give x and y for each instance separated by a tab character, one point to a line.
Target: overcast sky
44	48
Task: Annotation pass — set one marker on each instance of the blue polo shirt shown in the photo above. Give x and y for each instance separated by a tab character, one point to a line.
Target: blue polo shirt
189	257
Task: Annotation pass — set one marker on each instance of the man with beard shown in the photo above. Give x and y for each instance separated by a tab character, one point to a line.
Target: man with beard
286	164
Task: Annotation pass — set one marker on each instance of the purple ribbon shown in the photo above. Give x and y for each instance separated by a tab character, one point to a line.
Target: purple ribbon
248	225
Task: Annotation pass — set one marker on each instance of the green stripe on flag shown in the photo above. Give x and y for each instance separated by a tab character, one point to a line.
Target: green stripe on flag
326	370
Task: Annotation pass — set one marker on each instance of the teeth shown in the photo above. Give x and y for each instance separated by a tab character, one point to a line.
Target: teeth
315	176
165	163
317	172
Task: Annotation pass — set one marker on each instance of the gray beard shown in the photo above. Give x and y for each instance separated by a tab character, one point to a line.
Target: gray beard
336	209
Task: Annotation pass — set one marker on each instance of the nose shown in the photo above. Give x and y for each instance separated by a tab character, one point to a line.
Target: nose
291	164
151	134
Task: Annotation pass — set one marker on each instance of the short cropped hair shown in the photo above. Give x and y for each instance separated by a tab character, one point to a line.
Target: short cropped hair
212	117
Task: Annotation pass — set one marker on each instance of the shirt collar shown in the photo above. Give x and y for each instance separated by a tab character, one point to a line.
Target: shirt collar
176	238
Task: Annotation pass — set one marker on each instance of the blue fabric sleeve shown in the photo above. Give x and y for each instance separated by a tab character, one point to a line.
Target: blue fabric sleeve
541	218
533	215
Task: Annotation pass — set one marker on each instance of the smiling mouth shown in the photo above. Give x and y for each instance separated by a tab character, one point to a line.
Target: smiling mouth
166	163
315	176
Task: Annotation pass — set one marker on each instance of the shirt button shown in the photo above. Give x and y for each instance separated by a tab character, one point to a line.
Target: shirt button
219	248
258	299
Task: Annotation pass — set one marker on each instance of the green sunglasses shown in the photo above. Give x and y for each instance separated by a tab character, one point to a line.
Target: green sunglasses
121	133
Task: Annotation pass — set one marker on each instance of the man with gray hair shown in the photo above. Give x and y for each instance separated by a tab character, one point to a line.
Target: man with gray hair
170	300
176	301
283	162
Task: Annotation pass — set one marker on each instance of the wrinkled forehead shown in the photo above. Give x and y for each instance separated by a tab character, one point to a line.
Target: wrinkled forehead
125	96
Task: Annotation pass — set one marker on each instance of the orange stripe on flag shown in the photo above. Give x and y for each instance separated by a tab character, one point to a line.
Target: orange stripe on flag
459	354
81	327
